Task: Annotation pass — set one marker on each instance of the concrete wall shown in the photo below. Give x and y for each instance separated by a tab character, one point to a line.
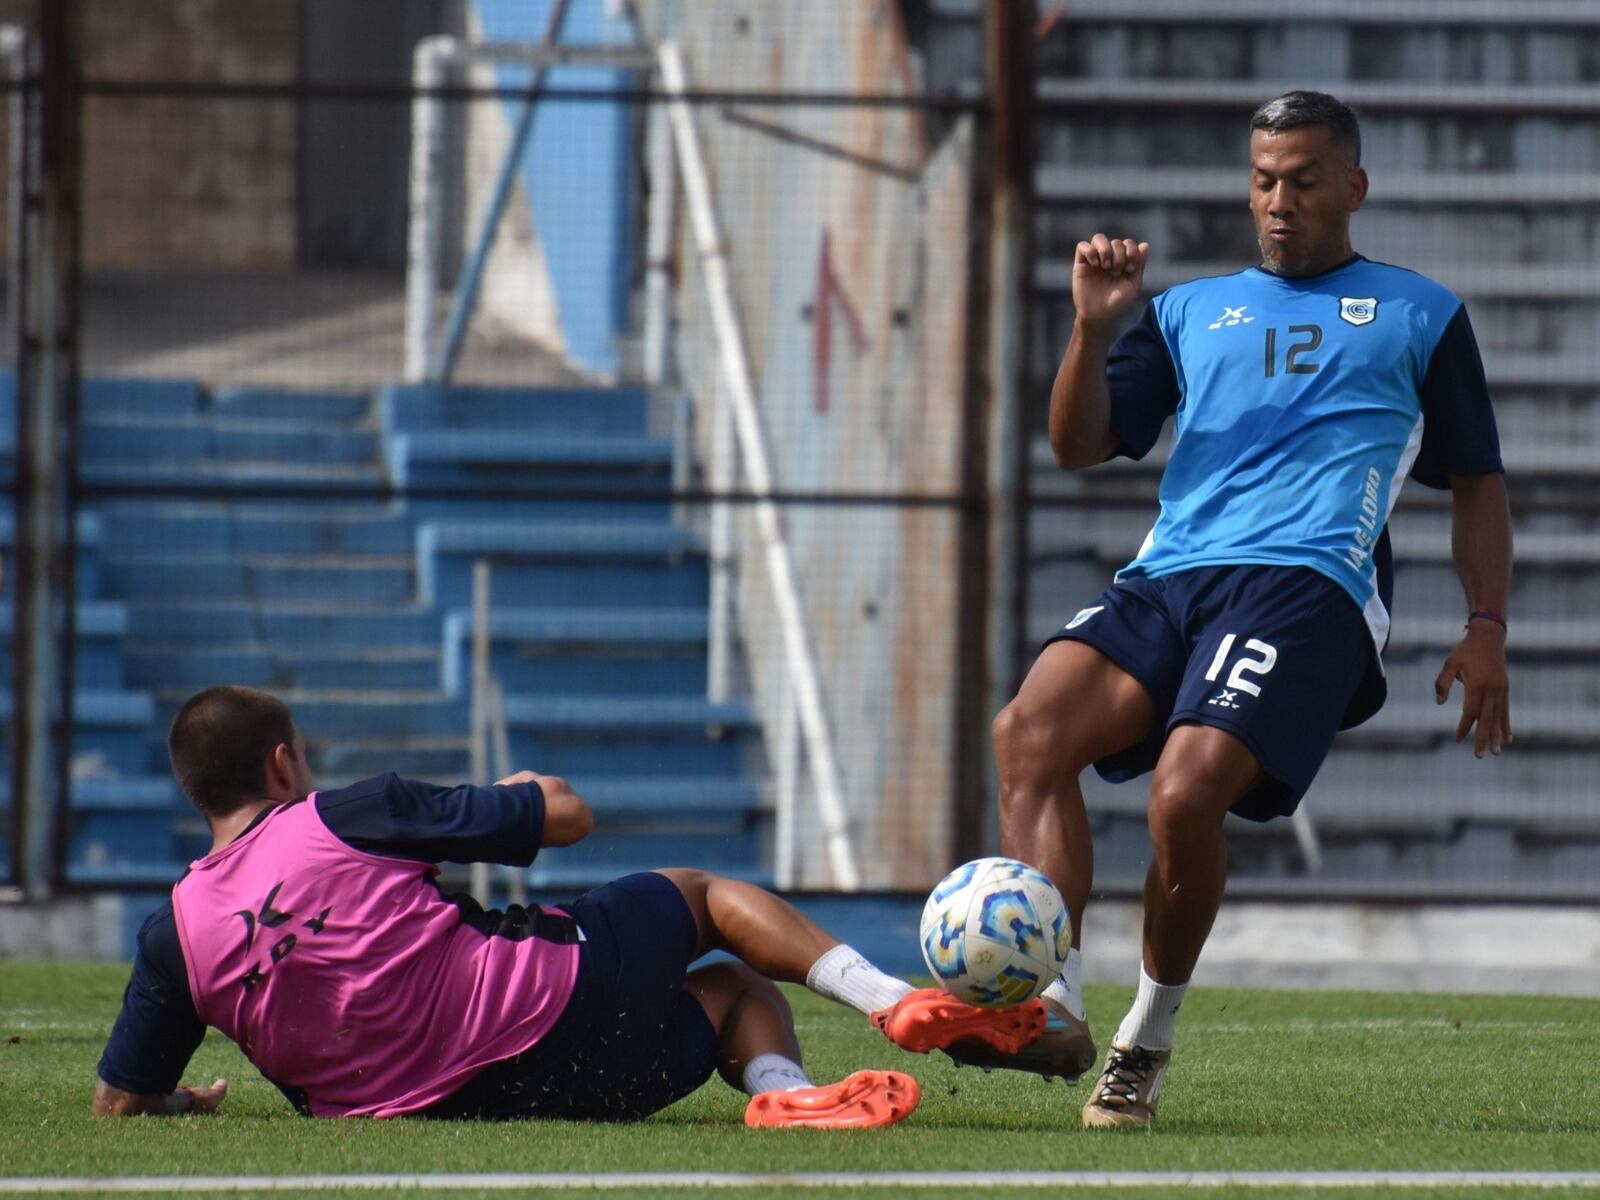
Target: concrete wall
881	412
186	183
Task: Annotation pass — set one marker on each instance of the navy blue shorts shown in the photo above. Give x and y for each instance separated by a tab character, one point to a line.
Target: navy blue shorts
631	1040
1280	657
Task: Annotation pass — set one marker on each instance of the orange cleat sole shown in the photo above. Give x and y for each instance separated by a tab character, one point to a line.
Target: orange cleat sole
932	1019
865	1100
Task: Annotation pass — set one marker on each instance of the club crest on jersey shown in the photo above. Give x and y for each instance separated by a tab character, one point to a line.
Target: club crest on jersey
1083	615
1358	310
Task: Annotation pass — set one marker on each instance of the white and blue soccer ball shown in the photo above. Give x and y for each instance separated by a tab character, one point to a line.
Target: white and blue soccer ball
995	932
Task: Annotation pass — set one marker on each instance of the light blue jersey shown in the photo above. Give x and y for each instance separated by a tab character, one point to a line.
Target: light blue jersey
1301	405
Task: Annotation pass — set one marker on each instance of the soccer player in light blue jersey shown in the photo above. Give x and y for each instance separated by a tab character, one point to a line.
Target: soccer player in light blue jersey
1247	629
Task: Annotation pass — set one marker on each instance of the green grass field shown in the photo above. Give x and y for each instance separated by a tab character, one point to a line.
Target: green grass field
1263	1081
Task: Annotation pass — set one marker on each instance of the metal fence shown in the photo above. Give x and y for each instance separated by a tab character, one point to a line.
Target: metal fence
711	343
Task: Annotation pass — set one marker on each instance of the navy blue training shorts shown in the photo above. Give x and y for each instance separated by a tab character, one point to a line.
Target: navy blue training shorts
1280	657
631	1040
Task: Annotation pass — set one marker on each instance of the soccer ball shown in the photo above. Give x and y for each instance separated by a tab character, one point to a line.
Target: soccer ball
995	932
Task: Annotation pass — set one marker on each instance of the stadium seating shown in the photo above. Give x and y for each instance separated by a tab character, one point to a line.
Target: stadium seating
1485	170
355	607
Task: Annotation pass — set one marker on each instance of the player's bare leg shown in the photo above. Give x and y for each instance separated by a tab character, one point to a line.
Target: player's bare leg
752	924
759	1054
782	943
1075	706
1201	774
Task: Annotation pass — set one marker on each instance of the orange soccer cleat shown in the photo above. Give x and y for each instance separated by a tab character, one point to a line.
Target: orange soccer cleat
933	1019
865	1100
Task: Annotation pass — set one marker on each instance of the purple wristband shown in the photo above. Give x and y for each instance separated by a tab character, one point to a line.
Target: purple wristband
1485	615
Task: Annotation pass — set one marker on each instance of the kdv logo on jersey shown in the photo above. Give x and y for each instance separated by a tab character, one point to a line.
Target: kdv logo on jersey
1357	310
1235	316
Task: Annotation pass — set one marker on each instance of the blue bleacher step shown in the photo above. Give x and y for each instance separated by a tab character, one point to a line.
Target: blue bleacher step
598	858
171	397
363	579
90	532
604	715
531	461
566	564
148	872
577	737
251	474
574	650
291	620
618	800
123	822
112	729
1407	724
101	626
352	713
614	411
268	404
146	526
118	438
288	665
440	758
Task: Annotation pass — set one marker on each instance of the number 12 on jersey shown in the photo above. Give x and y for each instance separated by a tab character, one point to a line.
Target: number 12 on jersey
1310	337
1245	664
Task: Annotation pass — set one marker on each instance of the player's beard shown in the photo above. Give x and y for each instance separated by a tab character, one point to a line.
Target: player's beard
1323	256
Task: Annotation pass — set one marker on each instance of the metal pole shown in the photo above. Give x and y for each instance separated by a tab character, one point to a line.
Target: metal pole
46	372
425	241
14	52
1010	82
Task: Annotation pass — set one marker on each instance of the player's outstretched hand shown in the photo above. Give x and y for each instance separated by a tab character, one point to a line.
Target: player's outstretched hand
1479	662
1107	276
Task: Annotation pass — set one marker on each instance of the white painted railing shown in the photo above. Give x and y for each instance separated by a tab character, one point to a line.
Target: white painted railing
738	449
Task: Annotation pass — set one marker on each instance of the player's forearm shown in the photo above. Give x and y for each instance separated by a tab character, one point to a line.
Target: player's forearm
1480	541
1080	400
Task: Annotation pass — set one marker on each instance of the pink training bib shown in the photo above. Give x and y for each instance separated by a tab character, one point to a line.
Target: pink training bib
349	975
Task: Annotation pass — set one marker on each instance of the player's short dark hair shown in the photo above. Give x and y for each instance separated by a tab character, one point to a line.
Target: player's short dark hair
220	742
1293	110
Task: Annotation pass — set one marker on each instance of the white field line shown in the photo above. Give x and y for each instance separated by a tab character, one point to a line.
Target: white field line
1379	1025
984	1182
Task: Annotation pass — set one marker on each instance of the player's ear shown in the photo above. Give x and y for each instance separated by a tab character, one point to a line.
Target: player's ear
281	775
1358	188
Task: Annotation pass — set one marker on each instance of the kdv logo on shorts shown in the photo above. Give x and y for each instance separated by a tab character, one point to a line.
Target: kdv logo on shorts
1083	615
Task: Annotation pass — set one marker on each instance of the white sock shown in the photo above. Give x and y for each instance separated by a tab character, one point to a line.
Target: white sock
1067	988
774	1073
1154	1016
843	975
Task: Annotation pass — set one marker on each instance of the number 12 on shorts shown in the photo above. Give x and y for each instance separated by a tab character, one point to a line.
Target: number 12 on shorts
1244	665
